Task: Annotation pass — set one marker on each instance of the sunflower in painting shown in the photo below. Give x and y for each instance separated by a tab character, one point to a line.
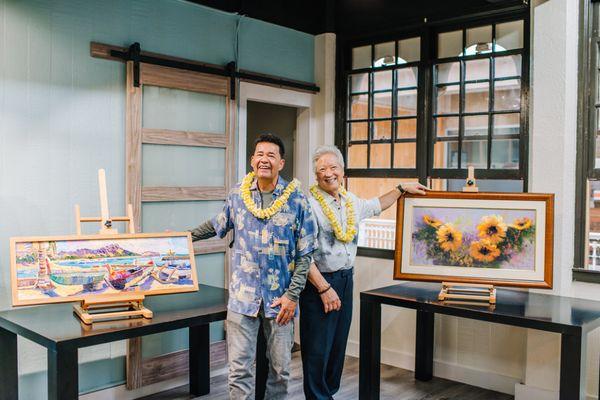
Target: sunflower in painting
521	223
484	251
492	228
449	238
432	221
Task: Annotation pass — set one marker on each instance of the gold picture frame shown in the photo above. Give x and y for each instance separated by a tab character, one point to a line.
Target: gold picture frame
503	239
54	269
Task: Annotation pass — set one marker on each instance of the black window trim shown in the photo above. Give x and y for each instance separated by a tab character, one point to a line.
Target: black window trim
586	141
427	31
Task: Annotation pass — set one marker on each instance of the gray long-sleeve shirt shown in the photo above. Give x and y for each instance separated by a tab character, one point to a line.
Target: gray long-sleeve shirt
206	230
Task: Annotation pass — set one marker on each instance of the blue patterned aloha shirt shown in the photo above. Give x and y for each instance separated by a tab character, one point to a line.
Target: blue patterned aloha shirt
265	250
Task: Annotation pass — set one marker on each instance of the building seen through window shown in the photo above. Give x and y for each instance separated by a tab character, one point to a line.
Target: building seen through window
475	94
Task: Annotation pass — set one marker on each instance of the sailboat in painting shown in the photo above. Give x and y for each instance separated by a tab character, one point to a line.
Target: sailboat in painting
64	269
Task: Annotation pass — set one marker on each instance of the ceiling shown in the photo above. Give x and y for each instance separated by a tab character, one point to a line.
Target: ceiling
355	17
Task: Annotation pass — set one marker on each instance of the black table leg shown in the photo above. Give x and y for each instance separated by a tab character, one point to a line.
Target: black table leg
262	365
424	346
570	366
370	350
199	368
9	377
63	379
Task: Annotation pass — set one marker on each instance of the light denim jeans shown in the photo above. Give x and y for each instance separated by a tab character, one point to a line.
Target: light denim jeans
242	332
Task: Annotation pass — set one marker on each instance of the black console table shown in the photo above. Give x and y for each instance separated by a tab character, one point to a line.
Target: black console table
572	318
62	333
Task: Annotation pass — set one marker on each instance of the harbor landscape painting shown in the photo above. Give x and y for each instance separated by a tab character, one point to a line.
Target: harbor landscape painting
61	269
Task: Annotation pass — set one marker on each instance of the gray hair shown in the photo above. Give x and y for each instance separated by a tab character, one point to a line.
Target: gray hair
322	150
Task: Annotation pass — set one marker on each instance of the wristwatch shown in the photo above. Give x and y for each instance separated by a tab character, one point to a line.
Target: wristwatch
401	189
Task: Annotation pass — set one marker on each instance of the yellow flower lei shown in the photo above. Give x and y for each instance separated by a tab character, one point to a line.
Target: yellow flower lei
265	213
347	236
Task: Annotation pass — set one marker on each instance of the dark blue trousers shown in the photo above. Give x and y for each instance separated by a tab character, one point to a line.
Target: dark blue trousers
323	337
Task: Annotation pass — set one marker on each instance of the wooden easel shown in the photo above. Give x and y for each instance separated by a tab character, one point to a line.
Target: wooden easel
471	182
109	307
465	291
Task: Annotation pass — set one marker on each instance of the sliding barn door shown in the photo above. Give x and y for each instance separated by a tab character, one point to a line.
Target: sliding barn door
179	168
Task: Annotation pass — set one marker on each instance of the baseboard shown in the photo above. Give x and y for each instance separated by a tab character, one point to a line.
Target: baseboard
162	373
455	372
524	392
121	393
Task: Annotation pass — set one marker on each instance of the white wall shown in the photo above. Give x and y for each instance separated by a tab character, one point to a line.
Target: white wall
495	356
553	136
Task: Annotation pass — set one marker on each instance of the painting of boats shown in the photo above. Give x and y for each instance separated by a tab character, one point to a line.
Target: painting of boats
70	268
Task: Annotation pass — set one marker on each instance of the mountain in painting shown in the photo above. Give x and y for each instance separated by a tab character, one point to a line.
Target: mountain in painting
111	250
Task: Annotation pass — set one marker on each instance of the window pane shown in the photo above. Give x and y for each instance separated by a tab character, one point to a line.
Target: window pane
445	154
507	124
477	69
484	185
505	153
406	77
406	102
409	50
359	83
450	44
166	165
385	54
406	128
448	72
177	215
182	110
509	35
476	125
507	95
377	232
405	155
479	40
447	99
359	107
597	152
446	126
359	130
382	105
477	97
380	155
593	216
474	152
382	80
357	156
382	129
361	57
507	66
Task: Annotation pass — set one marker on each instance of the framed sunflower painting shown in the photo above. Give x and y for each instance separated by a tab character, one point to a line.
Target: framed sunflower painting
503	239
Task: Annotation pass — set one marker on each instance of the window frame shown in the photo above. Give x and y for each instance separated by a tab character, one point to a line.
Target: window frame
587	120
424	131
488	173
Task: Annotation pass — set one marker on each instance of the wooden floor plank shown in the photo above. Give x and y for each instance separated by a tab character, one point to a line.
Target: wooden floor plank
396	384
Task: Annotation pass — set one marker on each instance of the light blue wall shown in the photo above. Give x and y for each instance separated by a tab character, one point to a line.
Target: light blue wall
62	113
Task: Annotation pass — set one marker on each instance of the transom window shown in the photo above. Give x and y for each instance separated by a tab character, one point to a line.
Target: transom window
476	116
382	106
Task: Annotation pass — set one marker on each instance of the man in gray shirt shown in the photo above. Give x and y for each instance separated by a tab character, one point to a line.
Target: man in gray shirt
326	302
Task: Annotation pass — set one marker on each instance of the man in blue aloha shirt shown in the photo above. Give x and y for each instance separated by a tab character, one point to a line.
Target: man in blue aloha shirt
275	234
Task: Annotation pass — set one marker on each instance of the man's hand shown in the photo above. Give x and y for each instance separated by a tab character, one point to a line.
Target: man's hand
331	301
414	188
286	313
